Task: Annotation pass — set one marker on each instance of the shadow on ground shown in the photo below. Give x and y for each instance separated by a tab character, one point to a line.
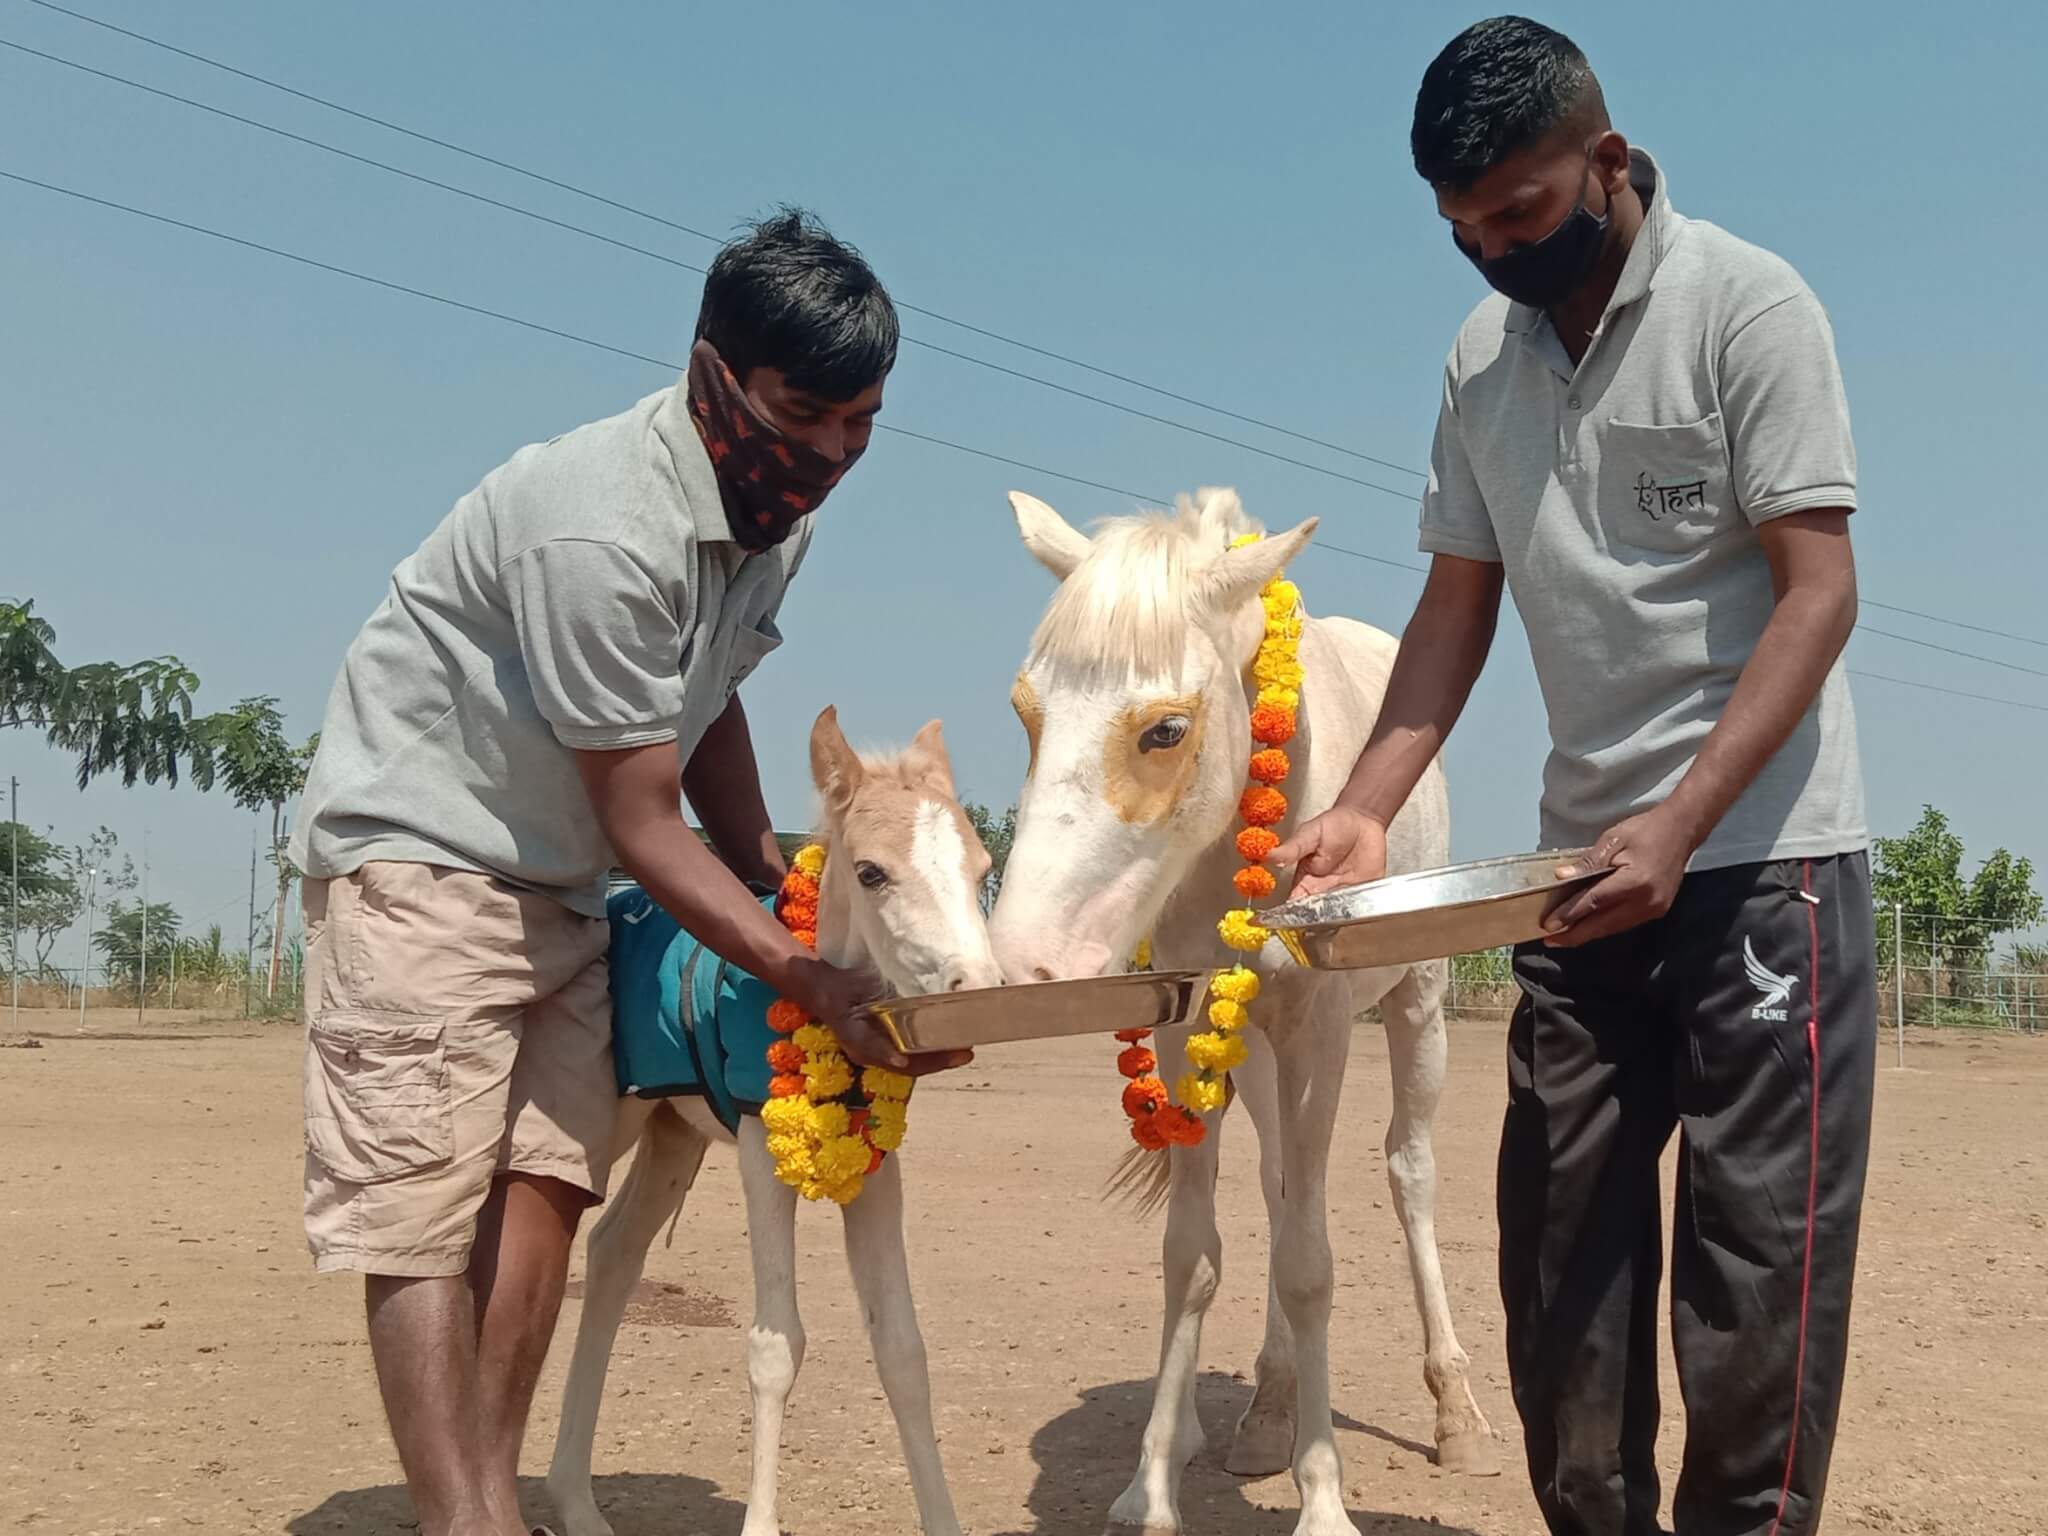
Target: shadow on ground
636	1503
1086	1456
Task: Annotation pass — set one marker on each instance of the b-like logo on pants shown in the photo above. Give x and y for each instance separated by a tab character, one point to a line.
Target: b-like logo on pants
1774	990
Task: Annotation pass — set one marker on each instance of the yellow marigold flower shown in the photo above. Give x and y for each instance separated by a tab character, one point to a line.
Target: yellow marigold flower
1281	597
827	1077
1245	538
1217	1052
1280	698
785	1117
880	1084
828	1121
815	1040
811	860
1141	959
1227	1016
796	1167
844	1192
840	1159
1236	985
1201	1094
888	1122
1239	931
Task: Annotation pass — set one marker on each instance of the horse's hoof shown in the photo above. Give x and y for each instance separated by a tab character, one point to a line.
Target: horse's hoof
1469	1453
1263	1446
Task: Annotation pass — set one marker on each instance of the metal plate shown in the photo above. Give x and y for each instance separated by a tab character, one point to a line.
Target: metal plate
1043	1010
1428	914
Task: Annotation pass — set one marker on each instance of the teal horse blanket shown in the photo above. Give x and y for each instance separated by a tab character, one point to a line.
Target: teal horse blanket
683	1020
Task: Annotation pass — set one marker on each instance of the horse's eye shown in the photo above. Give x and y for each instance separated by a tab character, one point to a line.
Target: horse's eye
1165	734
872	876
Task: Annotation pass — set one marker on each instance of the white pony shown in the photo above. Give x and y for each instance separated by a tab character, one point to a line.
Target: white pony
1136	702
899	894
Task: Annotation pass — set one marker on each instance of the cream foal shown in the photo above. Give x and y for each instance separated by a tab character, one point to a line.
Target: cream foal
901	877
1135	700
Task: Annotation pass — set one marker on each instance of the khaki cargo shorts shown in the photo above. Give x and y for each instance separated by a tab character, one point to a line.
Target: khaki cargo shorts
456	1029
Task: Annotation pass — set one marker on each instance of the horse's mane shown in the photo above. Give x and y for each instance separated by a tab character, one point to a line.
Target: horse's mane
1126	604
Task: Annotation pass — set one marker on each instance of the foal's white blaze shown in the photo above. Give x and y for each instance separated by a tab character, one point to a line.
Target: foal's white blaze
939	855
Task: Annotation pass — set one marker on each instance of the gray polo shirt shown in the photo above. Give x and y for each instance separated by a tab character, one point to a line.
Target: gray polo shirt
1622	498
587	595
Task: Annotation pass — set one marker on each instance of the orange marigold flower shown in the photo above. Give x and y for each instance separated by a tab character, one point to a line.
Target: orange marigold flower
1137	1062
875	1160
800	914
1133	1036
1143	1096
1254	883
1270	766
1182	1129
786	1058
785	1017
786	1085
1261	807
808	937
1149	1134
1254	843
798	886
1272	725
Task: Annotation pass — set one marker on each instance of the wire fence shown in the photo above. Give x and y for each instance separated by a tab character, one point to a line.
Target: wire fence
1933	972
175	978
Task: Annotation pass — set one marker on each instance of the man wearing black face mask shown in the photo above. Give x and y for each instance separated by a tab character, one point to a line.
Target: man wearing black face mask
552	672
1644	438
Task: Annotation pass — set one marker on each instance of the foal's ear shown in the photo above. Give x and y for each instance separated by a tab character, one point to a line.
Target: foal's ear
1236	575
1053	541
835	766
927	759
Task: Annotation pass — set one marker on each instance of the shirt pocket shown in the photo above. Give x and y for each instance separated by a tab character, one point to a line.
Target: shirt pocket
378	1104
751	645
1664	488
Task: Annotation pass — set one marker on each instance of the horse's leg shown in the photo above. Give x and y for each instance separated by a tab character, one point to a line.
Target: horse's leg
1414	1017
660	1179
1311	1062
1194	1267
881	1277
1264	1440
775	1344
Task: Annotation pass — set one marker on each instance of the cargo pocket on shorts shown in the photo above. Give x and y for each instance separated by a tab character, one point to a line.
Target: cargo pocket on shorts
377	1097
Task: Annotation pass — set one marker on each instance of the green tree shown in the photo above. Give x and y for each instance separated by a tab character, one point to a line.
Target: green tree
121	940
246	752
1921	874
997	834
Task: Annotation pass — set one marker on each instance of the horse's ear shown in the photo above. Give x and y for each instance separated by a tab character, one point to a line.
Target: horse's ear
1237	574
1053	541
929	761
835	766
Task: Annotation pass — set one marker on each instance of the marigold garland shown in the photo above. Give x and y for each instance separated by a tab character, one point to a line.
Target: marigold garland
825	1135
1156	1121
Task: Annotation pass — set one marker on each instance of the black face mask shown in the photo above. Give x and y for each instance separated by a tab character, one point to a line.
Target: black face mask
1550	270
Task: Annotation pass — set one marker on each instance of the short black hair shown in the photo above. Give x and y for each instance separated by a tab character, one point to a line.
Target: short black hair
1500	86
789	295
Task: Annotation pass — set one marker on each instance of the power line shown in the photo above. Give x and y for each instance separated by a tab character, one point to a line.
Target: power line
1954	693
686	266
663	257
698	234
1949	650
659	362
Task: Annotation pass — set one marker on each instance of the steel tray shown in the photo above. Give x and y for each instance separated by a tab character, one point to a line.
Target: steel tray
1042	1010
1428	914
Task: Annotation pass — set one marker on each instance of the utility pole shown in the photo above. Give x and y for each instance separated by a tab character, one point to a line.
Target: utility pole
14	899
142	958
249	969
92	878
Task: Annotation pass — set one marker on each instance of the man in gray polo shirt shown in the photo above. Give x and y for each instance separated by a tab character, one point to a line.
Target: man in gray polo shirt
1643	436
547	668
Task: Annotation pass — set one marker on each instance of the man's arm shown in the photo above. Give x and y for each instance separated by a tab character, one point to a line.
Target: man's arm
723	782
634	794
1443	650
1813	577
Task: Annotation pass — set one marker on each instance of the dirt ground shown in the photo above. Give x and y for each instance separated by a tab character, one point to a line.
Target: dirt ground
171	1362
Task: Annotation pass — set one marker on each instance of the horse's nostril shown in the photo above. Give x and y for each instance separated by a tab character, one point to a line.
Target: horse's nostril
957	984
1041	973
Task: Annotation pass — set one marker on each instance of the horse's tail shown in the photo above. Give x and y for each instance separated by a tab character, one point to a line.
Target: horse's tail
1142	1179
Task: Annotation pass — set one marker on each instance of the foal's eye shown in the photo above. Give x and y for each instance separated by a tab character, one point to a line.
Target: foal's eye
1164	735
872	876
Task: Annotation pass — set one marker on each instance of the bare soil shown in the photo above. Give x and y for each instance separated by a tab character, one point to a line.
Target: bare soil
170	1361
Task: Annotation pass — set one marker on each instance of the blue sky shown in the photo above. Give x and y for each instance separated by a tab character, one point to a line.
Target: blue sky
210	452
